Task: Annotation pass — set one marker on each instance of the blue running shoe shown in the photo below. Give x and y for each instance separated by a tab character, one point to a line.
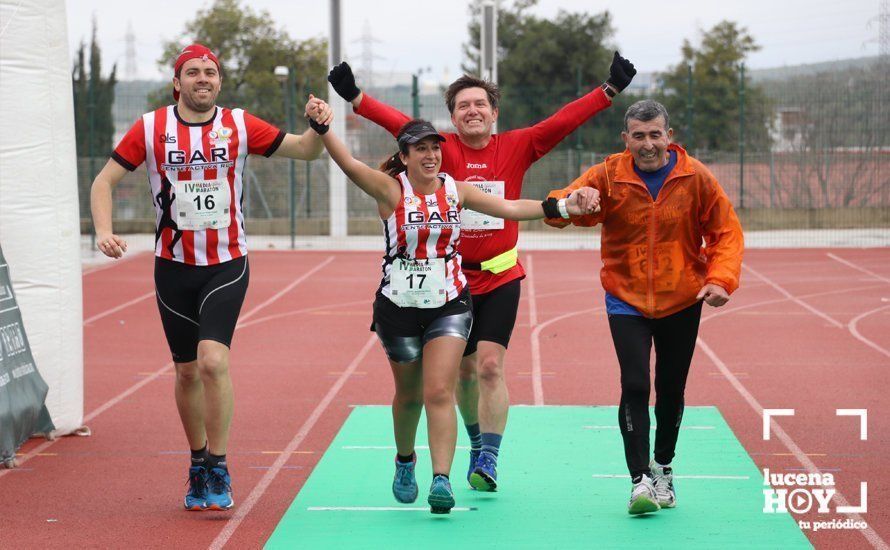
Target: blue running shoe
485	474
404	486
196	497
474	457
219	490
441	497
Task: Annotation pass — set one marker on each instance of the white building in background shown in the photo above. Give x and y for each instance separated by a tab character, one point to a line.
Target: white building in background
790	125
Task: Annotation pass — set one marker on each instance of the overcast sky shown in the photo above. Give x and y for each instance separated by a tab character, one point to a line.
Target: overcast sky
411	35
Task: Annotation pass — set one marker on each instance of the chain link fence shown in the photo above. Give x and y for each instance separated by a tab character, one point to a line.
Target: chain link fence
822	159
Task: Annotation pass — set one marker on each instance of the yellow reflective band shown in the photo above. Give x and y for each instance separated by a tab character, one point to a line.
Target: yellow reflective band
501	262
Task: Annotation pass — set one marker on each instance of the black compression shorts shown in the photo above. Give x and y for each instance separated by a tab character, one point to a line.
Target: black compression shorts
199	303
404	331
494	315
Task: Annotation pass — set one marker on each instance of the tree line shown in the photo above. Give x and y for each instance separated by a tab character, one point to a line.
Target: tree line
543	64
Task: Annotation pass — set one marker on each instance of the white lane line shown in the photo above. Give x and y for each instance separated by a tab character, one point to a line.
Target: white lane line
786	440
592	290
850	327
112	263
857	267
627	476
791	297
537	378
301	311
537	384
530	286
285	290
381	509
855	331
731	310
650	427
387	447
157	374
108	312
264	483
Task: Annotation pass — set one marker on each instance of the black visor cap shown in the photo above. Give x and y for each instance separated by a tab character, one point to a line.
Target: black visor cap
418	133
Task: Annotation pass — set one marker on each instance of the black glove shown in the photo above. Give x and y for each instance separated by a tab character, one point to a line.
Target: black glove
343	81
320	129
621	72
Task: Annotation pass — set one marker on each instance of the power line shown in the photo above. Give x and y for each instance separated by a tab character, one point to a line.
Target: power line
131	71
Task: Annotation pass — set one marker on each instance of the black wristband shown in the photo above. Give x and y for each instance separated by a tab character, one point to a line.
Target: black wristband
320	129
608	89
551	210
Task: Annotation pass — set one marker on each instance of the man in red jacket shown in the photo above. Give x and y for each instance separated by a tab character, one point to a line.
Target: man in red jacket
497	164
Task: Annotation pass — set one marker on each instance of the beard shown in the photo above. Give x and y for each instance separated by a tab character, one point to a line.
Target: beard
199	106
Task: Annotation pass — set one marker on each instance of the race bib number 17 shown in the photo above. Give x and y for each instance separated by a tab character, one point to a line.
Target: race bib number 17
418	283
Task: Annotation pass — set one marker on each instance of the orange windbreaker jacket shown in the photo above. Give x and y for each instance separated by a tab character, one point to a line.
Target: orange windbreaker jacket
652	250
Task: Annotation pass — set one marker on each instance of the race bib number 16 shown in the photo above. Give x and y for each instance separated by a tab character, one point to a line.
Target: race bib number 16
203	204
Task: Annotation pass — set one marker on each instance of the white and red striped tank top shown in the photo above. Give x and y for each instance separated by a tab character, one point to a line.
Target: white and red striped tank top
425	227
175	150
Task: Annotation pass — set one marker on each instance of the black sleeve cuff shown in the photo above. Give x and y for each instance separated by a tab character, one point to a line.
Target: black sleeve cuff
122	161
275	144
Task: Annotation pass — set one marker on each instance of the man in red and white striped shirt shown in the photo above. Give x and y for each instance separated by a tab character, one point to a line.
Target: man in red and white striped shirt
195	153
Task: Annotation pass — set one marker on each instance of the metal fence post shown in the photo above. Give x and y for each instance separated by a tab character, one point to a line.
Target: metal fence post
578	145
415	96
689	107
291	127
741	135
91	122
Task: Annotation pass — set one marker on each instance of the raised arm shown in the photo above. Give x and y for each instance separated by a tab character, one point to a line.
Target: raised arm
546	134
375	183
101	206
521	209
308	145
381	114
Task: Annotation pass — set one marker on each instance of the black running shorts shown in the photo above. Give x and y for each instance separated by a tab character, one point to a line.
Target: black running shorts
494	315
404	331
199	303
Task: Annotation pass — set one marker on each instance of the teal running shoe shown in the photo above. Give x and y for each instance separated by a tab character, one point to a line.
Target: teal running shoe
219	490
474	457
196	497
441	497
404	485
485	474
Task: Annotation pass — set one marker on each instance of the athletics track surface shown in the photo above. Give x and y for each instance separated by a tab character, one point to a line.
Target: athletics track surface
808	330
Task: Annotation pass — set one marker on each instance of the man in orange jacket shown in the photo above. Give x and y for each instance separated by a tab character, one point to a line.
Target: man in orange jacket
670	240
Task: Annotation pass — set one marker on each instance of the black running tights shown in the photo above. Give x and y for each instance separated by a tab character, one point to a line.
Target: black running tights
674	338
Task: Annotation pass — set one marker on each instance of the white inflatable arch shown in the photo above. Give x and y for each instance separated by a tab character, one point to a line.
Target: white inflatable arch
39	214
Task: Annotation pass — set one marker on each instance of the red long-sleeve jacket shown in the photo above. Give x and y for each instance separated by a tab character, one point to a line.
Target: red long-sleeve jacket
658	254
504	160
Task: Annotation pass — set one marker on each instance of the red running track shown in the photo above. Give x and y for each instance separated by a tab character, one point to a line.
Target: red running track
808	330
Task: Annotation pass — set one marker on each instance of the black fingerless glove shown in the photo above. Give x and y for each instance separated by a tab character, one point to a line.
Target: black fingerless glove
551	208
320	129
621	72
343	81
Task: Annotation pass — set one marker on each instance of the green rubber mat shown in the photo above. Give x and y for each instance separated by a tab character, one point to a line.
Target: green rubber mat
562	484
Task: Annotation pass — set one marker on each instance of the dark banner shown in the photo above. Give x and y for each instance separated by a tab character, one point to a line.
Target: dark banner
22	390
